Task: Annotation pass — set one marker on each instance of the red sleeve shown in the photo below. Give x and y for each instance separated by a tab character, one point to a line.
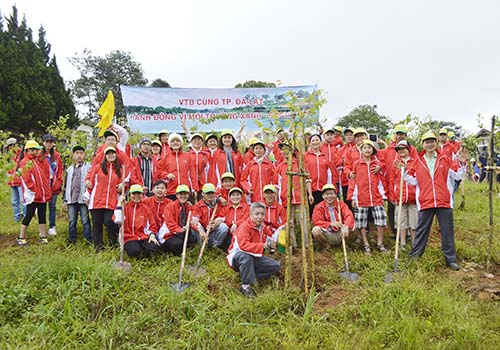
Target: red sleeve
171	219
318	217
244	179
26	173
245	213
153	227
245	243
57	184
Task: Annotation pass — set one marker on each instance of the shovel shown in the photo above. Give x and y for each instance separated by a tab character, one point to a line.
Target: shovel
462	203
346	275
122	265
390	276
179	287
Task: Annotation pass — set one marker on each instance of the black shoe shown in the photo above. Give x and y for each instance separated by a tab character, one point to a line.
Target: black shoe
248	292
453	266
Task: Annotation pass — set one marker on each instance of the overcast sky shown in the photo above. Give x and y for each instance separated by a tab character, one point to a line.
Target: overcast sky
438	58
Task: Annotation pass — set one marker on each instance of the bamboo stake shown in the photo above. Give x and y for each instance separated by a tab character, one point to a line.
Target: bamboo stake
289	222
490	194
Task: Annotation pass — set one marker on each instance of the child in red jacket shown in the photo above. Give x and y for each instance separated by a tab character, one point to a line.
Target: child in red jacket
236	211
368	195
159	201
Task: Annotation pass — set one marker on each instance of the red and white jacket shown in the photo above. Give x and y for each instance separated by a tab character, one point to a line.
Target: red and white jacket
199	162
14	179
139	223
368	188
281	179
179	164
434	190
103	194
35	181
220	166
203	212
171	218
157	207
57	176
275	216
331	151
321	170
249	239
321	215
409	195
255	176
236	215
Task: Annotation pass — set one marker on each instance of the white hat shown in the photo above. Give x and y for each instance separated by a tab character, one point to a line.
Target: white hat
174	136
11	141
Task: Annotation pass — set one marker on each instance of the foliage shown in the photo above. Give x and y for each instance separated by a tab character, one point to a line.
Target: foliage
255	84
366	116
32	91
99	74
160	83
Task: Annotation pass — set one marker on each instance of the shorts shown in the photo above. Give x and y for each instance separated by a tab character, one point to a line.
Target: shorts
409	216
361	216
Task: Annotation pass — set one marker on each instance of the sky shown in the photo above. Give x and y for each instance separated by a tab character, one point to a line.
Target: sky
427	57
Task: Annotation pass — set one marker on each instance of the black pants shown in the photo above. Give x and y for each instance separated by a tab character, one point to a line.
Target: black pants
390	213
141	249
318	197
445	218
100	217
344	197
175	243
40	208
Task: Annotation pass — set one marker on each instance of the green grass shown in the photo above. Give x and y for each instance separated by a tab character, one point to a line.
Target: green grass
60	297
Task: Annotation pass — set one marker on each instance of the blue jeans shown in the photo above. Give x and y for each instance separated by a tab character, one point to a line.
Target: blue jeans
253	268
52	211
218	236
73	210
17	202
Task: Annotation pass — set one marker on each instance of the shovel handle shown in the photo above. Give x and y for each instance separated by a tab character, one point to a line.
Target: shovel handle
344	248
184	247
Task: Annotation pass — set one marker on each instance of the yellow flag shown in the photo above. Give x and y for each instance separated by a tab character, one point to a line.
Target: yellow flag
107	111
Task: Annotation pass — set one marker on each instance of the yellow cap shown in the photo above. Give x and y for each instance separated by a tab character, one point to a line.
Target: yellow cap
328	187
227	132
338	128
208	188
235	189
32	144
136	188
360	131
269	188
156	142
182	188
109	149
164	131
259	142
197	135
227	175
451	134
401	128
368	142
443	131
428	135
252	140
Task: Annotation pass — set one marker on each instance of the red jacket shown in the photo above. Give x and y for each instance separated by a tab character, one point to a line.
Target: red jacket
236	215
321	215
368	188
14	179
57	171
248	239
165	149
276	151
122	157
275	216
332	153
255	176
390	154
203	212
103	194
434	190
157	208
409	196
171	218
344	150
220	166
35	181
321	170
281	179
210	170
139	221
199	162
248	157
179	164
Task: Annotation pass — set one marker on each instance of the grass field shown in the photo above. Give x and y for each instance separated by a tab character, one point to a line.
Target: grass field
67	297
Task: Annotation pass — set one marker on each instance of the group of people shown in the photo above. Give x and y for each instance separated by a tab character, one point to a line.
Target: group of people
237	202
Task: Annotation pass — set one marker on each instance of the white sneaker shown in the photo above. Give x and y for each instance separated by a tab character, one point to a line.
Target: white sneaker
52	231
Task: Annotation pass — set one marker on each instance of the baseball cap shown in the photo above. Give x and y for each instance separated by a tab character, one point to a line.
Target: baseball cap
235	189
227	175
156	142
11	141
227	132
163	131
269	188
32	144
208	188
136	188
401	128
108	149
197	135
48	137
443	131
110	133
182	188
428	135
145	139
77	148
328	187
359	131
403	144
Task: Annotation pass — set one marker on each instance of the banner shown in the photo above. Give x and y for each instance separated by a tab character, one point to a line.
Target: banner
150	110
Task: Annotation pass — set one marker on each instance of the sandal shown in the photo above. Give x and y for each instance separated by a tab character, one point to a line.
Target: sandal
22	242
43	240
381	248
367	250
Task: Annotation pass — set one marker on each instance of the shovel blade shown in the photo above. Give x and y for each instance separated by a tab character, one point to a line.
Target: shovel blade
389	278
349	276
123	266
179	287
196	271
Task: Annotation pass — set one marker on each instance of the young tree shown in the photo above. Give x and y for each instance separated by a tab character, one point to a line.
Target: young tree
366	116
98	74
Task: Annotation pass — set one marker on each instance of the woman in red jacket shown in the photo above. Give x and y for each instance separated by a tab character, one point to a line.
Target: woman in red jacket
104	184
36	190
198	157
178	167
258	173
228	158
139	225
56	174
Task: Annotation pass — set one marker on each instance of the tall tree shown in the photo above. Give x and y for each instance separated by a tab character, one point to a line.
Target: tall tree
255	84
366	116
98	74
160	83
32	92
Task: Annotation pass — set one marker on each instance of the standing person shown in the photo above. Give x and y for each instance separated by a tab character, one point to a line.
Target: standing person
228	158
146	169
199	161
483	162
328	223
74	190
348	147
432	172
139	225
257	174
275	153
321	171
368	195
331	145
246	253
212	143
104	184
156	149
56	177
163	135
36	190
178	168
16	193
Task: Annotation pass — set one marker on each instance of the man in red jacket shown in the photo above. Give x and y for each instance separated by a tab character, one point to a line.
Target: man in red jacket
328	223
246	253
432	173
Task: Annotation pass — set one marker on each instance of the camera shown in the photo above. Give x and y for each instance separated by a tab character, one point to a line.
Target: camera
373	138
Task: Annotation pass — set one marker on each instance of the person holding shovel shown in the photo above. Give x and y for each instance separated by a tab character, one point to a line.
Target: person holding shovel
246	253
328	223
139	230
433	173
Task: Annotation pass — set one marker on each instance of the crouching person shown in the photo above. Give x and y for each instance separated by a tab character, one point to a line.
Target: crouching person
139	225
246	253
173	230
328	223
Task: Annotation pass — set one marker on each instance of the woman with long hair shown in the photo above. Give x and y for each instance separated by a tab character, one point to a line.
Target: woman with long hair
228	159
